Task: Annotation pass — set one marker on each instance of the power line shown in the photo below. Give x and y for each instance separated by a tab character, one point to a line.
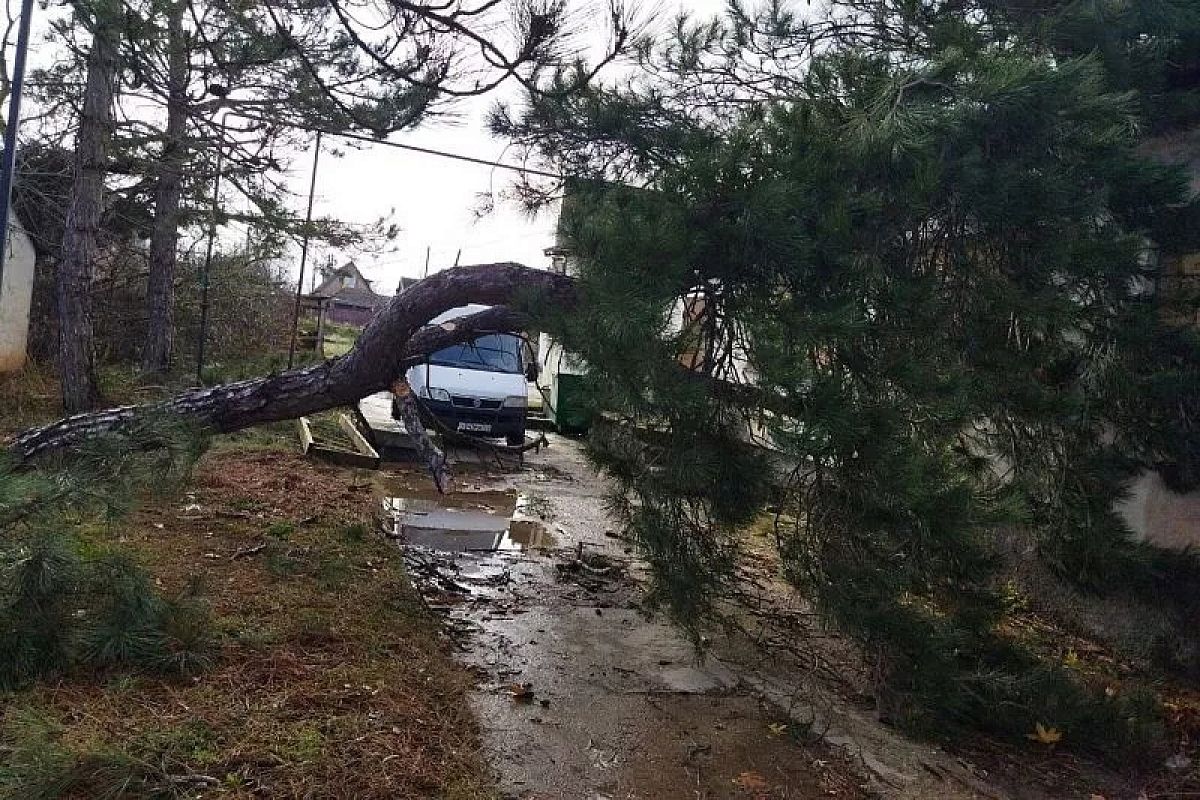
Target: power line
444	154
418	149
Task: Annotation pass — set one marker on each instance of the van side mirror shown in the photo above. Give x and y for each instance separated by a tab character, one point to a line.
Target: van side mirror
532	372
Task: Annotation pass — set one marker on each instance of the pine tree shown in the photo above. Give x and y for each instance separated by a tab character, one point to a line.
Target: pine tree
920	241
64	601
250	81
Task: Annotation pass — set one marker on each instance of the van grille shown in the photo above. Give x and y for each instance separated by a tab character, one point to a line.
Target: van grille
469	402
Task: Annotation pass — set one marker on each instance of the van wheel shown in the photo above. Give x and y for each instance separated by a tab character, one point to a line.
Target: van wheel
515	439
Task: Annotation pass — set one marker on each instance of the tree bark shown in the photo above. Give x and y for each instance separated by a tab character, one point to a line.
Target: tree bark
79	247
164	239
439	468
394	340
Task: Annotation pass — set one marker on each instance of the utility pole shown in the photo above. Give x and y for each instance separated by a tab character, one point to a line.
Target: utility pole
9	164
312	188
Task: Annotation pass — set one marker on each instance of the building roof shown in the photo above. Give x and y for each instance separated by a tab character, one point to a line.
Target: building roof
360	294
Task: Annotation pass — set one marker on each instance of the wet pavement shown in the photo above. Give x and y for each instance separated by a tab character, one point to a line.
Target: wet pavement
465	522
585	693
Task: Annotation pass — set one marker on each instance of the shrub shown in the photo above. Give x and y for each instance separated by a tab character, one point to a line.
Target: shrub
66	603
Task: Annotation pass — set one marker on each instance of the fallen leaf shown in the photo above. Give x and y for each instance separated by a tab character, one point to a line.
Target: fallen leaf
751	781
521	692
1044	735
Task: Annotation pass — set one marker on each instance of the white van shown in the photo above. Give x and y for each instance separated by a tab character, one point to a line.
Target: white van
478	387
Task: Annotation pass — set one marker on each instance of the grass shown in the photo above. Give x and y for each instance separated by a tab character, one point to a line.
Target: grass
31	396
330	679
339	339
28	397
328	431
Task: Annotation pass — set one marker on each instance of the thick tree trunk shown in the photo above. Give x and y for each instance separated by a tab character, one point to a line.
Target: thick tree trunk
79	246
394	340
160	291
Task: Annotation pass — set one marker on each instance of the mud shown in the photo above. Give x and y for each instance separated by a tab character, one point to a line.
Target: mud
462	522
585	693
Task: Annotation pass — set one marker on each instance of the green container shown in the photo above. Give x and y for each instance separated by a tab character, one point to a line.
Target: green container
571	413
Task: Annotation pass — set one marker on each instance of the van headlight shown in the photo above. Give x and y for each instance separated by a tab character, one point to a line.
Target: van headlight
434	393
516	401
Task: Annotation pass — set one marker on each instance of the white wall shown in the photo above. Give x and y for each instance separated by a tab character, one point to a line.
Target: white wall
1160	516
15	297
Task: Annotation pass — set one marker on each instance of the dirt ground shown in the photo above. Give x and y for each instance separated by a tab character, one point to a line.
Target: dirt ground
331	679
583	692
527	665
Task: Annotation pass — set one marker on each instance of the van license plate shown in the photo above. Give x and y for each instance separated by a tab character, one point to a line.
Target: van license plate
477	427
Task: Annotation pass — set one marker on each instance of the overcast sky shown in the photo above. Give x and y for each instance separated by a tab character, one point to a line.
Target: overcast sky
432	200
435	198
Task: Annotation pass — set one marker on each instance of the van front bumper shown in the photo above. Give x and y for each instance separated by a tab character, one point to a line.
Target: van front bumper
476	421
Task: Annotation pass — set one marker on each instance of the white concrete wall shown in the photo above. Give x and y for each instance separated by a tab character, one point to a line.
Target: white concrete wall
1160	516
15	296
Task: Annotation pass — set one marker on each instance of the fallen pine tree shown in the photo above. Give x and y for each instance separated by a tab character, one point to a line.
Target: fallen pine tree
934	274
398	337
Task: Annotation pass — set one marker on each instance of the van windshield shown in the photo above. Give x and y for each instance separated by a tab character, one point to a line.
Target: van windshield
495	352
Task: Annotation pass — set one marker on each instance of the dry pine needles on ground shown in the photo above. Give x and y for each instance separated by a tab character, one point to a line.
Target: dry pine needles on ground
331	680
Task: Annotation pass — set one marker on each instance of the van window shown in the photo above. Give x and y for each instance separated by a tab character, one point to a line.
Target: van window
496	352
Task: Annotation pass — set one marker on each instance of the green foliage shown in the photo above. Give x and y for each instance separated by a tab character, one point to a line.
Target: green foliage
281	530
1151	46
66	601
39	763
65	606
36	764
921	272
36	617
125	619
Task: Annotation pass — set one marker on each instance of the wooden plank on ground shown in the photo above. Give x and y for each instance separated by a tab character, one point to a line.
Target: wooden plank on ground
360	442
368	459
305	431
345	458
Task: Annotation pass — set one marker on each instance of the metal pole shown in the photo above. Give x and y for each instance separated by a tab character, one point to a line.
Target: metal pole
312	188
9	164
212	237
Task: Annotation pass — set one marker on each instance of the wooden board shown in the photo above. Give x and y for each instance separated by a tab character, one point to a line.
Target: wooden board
305	432
346	458
360	442
368	459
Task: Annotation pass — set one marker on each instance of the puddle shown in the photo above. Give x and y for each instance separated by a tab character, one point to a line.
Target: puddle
466	521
